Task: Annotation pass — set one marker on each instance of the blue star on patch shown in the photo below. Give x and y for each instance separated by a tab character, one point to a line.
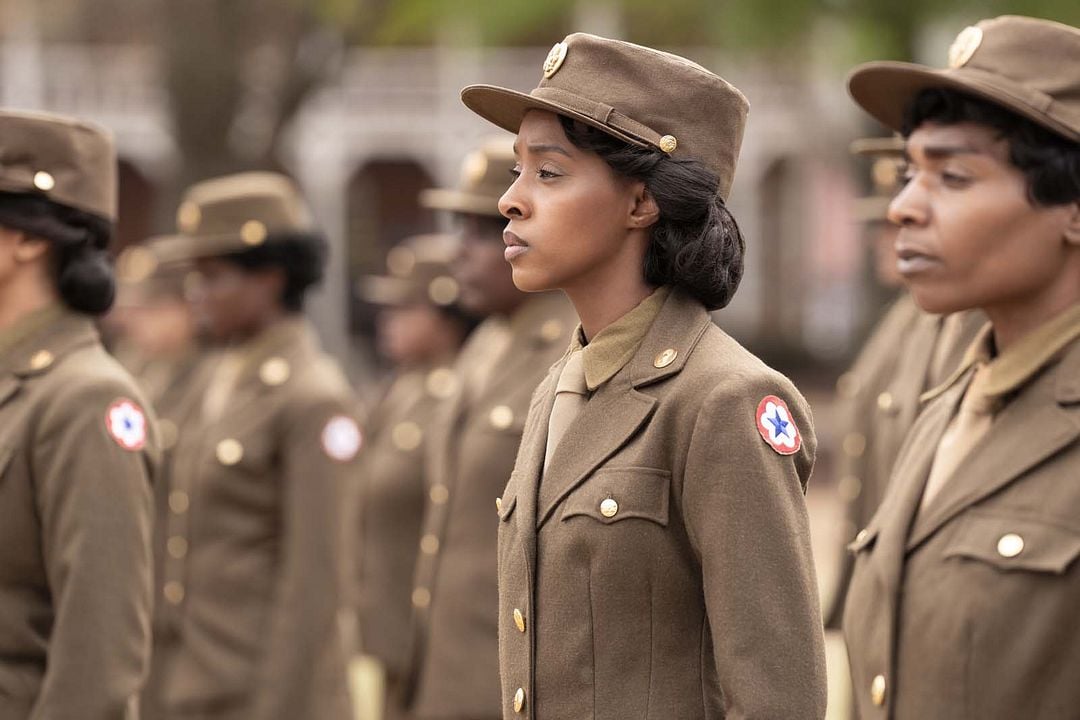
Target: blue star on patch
779	424
777	427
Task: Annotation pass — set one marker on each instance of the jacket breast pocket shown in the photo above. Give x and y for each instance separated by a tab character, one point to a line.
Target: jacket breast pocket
1011	543
613	495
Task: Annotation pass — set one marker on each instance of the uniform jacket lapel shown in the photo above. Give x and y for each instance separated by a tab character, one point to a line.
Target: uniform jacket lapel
618	409
1049	402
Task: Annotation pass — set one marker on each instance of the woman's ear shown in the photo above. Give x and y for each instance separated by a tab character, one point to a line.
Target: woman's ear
645	212
1072	229
30	249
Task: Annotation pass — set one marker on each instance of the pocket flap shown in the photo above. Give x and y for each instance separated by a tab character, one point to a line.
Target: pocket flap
1016	543
618	494
506	502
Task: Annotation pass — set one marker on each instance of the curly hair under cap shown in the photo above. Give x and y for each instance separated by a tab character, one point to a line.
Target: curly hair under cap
82	273
696	245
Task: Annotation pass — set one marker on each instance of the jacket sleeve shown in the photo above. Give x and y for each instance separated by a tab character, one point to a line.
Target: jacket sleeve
745	513
303	629
94	503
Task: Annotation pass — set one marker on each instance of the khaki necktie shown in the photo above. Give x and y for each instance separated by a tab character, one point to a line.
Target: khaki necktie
570	396
221	385
971	422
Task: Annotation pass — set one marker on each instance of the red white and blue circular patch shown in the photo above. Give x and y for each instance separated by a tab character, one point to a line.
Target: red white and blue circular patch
126	424
777	427
341	438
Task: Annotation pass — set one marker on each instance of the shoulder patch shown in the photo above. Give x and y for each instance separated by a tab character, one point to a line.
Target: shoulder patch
126	423
777	427
341	438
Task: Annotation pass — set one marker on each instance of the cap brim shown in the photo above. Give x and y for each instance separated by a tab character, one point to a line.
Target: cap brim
506	108
461	202
886	89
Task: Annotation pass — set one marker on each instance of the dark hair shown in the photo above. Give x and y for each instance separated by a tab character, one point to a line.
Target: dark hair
300	255
696	245
1050	162
81	270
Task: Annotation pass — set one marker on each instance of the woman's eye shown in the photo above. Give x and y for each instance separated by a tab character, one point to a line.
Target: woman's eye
515	172
955	181
546	174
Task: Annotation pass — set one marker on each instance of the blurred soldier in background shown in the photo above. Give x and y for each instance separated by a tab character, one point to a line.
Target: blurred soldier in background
908	353
420	330
454	669
77	451
254	571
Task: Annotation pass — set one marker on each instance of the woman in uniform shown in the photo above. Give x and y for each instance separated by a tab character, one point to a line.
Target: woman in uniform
654	549
76	448
254	566
963	600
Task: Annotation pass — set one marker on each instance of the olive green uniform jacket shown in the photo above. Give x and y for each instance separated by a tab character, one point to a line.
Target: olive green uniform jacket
944	618
389	512
470	458
75	563
255	572
878	403
696	598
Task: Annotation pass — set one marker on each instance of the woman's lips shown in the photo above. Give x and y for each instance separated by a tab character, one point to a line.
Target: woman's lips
912	261
515	246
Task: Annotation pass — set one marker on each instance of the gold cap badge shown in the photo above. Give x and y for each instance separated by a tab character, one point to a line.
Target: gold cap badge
668	143
554	59
965	45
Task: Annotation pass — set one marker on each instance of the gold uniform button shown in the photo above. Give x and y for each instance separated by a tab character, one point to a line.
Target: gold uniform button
1010	545
441	383
229	451
188	217
498	504
421	597
665	358
861	536
275	371
608	508
668	143
849	488
854	444
551	330
877	690
41	360
179	502
519	700
429	544
177	546
44	181
406	435
174	592
439	494
444	290
501	417
519	620
885	401
169	432
253	233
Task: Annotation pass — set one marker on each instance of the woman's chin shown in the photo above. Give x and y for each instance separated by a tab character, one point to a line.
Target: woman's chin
530	281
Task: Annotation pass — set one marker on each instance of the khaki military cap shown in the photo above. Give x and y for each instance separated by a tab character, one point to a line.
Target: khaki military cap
70	162
485	176
886	155
236	212
418	271
640	95
1029	66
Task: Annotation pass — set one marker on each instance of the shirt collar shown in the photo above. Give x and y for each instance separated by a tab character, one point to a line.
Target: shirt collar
613	346
28	326
1019	364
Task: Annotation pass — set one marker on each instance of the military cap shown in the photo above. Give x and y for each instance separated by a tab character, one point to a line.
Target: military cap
1027	65
485	176
68	161
642	96
154	268
418	271
886	155
235	213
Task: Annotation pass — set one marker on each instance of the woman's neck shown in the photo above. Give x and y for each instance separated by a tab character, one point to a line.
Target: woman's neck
24	294
600	302
1015	320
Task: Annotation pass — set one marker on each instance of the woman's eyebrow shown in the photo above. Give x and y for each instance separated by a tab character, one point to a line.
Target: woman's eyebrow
540	148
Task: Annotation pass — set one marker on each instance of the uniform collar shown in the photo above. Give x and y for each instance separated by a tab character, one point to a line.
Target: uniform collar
34	344
1018	365
612	348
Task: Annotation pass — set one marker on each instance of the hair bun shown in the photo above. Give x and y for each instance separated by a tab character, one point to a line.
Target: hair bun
86	281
